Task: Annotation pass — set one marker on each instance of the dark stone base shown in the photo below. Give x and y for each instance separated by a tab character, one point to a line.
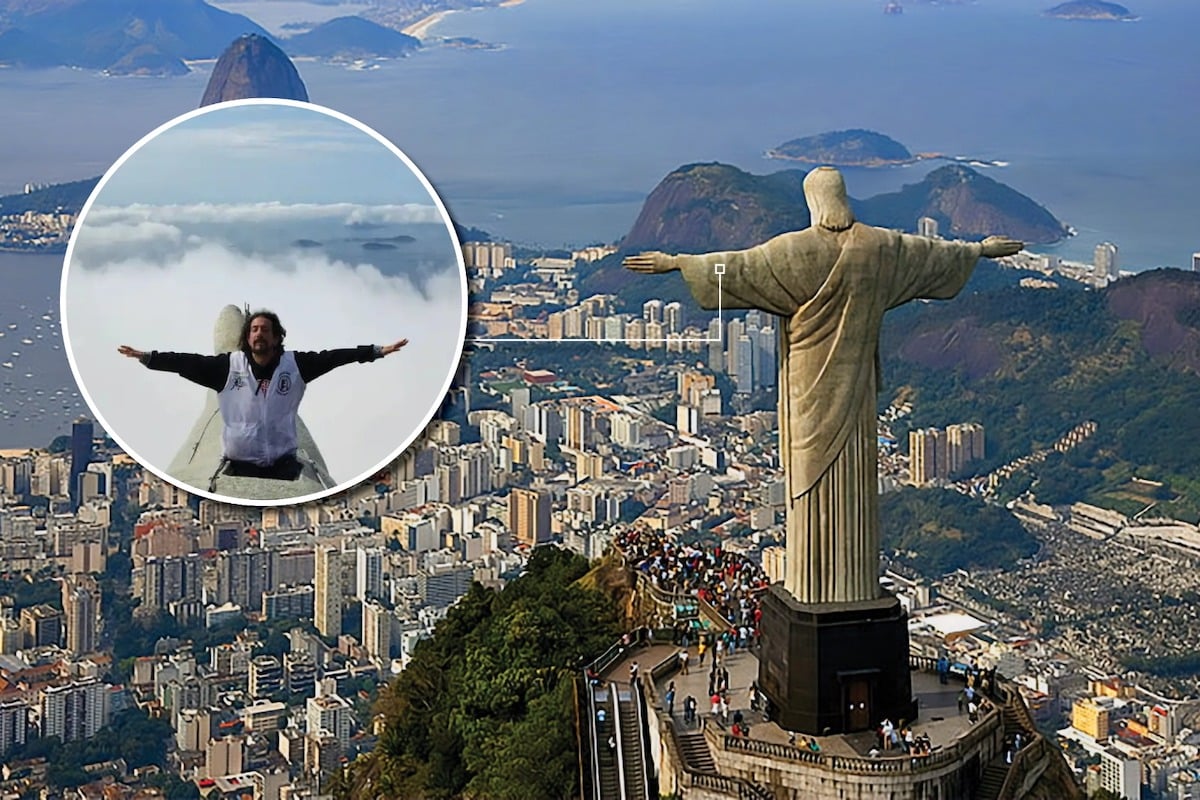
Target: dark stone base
835	668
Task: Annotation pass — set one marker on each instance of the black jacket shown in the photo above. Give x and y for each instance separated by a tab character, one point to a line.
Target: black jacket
212	372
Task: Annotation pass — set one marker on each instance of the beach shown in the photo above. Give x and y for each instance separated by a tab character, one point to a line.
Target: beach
420	28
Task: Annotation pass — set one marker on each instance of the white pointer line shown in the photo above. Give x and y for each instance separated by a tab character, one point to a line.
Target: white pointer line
720	272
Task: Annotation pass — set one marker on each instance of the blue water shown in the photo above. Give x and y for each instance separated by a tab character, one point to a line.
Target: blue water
559	136
38	395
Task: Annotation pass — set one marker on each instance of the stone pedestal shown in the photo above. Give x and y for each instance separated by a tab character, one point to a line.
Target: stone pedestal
834	668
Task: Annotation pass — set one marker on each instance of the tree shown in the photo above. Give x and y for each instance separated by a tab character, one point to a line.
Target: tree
484	708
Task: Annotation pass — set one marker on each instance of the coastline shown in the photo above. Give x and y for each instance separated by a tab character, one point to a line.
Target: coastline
880	163
421	27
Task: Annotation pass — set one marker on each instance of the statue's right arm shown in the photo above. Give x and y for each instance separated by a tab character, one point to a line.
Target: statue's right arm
211	372
747	279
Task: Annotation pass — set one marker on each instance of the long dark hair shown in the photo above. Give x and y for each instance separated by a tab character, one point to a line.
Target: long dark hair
276	326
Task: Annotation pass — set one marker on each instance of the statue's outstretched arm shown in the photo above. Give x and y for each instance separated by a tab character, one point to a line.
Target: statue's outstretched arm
727	279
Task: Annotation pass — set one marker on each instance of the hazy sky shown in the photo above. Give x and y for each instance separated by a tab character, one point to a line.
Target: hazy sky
140	274
253	154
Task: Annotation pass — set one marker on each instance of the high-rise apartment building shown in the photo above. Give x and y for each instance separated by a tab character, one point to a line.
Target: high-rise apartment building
81	455
328	599
368	573
652	311
529	515
74	711
81	613
377	632
926	452
14	724
1105	262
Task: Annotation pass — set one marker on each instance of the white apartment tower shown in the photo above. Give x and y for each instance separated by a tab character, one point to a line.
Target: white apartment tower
328	600
1105	262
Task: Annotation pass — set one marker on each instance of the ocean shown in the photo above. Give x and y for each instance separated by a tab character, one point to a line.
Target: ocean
556	137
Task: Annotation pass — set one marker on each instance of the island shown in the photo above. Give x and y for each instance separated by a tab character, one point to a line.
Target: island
861	148
349	38
401	239
850	148
306	243
1091	9
378	246
147	60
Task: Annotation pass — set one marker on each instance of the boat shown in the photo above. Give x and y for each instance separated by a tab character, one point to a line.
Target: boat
199	464
7	365
27	341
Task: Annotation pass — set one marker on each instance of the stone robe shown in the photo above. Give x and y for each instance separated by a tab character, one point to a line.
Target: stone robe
831	289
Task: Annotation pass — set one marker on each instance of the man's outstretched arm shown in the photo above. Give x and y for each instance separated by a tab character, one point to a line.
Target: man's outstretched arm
313	365
210	372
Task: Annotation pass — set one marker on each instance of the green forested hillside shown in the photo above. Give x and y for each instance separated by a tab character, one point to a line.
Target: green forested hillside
484	709
1032	364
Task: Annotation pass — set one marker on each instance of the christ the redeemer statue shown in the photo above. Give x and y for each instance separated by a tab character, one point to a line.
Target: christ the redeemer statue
831	283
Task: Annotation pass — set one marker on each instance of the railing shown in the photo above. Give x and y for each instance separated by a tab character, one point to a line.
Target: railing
668	666
908	763
1027	756
662	596
727	785
1024	759
591	692
584	762
616	717
643	729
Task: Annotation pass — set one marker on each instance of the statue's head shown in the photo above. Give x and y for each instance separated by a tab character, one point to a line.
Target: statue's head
828	205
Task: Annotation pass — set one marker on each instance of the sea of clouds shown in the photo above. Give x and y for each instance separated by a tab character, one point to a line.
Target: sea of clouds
141	276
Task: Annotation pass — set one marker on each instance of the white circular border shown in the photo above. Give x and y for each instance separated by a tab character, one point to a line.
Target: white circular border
463	292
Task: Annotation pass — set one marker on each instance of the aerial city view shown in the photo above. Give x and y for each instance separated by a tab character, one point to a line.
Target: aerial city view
781	400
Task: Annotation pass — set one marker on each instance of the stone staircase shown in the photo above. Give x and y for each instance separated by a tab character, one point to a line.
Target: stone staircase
694	748
996	772
992	780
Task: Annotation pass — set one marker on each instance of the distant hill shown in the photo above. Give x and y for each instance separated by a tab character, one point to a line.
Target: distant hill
849	148
66	197
146	60
123	36
1091	9
967	205
703	207
351	37
1031	364
253	66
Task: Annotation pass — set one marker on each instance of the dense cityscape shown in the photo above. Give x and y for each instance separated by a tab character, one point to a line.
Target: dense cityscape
258	639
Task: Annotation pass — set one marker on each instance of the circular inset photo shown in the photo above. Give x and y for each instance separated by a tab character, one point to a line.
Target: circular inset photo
264	302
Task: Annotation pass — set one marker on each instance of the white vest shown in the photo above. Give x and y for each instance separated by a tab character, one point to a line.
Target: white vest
260	427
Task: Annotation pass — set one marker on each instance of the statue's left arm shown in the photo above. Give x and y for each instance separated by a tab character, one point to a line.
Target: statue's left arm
934	269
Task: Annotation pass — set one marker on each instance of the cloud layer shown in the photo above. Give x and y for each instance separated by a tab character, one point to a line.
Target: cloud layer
359	415
102	217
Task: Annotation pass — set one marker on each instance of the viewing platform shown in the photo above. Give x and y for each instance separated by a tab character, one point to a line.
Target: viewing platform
703	758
